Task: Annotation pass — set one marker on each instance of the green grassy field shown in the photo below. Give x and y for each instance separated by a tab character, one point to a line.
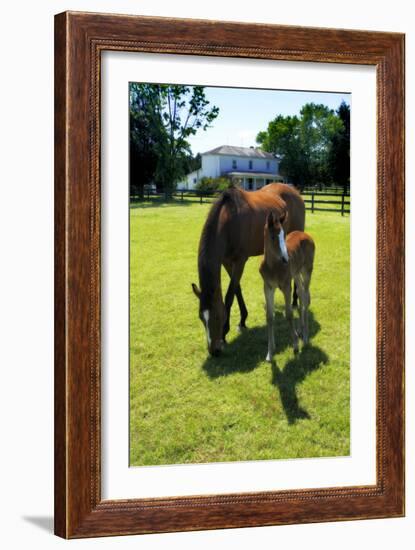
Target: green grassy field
186	407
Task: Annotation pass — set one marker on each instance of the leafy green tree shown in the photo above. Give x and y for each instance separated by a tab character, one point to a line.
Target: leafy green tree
144	139
191	164
319	125
339	159
283	137
304	143
171	114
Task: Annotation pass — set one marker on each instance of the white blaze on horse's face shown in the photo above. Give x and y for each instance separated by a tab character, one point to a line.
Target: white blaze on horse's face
283	246
206	318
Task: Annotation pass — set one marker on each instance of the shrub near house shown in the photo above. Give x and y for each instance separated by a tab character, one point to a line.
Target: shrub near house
209	186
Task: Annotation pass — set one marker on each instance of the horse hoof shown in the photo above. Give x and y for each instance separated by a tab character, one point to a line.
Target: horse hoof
268	358
241	328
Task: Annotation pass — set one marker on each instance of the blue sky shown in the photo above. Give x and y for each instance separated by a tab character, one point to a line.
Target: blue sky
245	112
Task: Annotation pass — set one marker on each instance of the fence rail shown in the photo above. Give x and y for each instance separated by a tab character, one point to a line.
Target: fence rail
315	201
343	203
180	194
334	190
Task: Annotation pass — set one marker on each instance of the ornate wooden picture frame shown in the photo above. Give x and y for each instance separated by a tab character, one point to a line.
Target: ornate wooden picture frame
80	38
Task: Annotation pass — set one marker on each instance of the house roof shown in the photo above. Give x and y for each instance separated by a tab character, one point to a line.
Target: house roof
251	152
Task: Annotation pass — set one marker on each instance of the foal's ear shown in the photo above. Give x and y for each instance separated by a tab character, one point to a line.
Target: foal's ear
196	291
283	217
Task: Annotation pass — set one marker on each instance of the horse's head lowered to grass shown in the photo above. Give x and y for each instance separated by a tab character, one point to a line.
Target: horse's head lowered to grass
212	315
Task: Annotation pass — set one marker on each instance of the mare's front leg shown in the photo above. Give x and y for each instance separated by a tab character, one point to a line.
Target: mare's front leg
237	270
286	290
241	303
269	292
242	308
295	296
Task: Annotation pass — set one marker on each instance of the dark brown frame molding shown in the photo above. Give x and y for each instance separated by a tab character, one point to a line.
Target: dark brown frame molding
79	40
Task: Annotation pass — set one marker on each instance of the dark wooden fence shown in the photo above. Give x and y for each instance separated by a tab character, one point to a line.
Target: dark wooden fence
326	190
178	194
327	202
315	201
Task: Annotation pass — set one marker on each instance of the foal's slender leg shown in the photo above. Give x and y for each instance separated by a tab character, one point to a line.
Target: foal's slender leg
269	301
305	302
286	290
237	270
239	297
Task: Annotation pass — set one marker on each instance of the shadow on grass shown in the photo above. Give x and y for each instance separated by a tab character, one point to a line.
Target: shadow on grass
309	359
248	350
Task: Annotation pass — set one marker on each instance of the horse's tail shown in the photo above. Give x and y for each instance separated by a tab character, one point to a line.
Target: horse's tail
294	204
296	209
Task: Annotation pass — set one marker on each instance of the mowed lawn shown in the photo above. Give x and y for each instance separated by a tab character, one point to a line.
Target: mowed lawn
186	407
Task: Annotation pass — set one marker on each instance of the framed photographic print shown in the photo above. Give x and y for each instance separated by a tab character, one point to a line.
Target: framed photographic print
229	276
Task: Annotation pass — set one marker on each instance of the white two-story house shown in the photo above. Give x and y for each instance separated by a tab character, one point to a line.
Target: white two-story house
248	167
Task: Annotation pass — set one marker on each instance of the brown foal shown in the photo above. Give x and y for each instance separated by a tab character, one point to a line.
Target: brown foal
286	259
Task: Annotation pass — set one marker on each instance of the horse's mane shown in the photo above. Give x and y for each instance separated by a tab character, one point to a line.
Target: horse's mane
209	261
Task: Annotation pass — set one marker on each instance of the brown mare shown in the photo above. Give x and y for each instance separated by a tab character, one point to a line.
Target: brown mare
284	260
234	231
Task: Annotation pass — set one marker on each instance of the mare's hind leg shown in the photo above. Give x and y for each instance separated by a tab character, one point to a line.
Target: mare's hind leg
286	290
236	274
269	301
239	297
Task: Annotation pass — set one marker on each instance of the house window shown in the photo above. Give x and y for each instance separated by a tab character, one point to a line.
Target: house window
234	166
268	164
250	164
194	180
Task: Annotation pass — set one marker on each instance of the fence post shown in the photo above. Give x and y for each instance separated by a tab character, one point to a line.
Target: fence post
182	195
201	197
312	203
343	204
